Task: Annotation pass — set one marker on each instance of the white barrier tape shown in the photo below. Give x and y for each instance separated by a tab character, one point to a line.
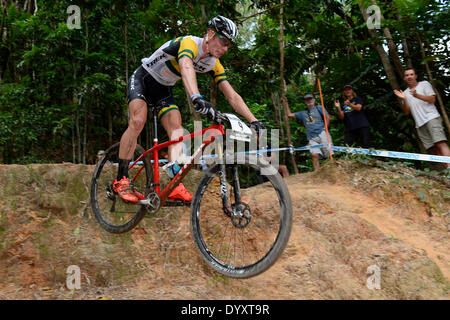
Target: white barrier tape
394	154
371	152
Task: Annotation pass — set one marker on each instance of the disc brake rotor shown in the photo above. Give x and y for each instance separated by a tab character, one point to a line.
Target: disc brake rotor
241	215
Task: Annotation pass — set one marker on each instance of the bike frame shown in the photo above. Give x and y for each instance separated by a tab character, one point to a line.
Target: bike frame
216	130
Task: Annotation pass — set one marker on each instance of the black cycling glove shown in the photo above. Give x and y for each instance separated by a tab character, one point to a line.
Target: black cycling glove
257	126
204	107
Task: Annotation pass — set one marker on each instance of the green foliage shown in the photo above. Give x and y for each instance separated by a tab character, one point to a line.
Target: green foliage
63	91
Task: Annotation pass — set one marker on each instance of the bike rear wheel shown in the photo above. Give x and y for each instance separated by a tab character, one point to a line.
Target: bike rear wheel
250	239
114	214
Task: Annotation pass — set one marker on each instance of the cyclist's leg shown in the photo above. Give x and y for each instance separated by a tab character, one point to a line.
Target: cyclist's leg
138	116
171	121
137	106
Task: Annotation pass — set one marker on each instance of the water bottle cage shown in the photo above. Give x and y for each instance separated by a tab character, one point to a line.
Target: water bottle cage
172	168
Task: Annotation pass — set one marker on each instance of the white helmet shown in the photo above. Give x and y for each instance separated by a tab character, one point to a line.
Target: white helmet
225	27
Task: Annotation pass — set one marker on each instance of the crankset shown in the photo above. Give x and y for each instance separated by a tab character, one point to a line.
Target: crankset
152	202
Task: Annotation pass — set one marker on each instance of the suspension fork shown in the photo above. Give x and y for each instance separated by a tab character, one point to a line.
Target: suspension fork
237	185
226	205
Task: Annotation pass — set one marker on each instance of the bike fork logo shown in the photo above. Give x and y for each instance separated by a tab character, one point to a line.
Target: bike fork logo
223	186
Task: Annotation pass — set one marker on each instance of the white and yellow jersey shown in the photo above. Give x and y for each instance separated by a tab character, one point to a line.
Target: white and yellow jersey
163	63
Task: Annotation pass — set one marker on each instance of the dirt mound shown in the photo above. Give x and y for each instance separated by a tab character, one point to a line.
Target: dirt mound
348	218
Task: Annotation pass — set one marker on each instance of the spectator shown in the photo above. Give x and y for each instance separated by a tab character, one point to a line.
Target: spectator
418	99
100	155
313	120
355	121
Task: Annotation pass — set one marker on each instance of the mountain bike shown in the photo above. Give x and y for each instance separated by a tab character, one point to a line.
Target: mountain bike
239	226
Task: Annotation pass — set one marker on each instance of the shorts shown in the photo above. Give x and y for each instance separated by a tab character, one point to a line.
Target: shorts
321	139
431	132
143	86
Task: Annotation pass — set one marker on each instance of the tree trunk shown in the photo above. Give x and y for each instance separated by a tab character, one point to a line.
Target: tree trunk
283	88
213	92
276	103
430	76
85	135
110	127
390	72
5	11
77	128
296	88
406	54
74	152
126	49
393	52
194	114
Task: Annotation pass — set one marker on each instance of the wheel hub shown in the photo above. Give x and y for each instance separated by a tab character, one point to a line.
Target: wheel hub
240	215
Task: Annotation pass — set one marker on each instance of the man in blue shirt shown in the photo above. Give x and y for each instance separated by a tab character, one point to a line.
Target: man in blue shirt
313	120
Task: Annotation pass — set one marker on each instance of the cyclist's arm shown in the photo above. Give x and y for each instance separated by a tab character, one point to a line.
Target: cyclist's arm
186	54
236	101
188	75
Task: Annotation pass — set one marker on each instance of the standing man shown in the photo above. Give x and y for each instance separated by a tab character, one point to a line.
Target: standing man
152	83
313	120
418	99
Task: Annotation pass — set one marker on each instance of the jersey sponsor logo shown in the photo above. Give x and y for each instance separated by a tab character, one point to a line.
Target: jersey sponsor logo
154	61
199	67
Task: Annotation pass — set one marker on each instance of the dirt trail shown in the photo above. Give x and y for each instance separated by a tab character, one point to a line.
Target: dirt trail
384	216
347	217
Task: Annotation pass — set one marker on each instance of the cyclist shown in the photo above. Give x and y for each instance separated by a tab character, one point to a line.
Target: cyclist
152	83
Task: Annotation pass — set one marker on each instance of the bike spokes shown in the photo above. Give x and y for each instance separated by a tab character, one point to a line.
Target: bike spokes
250	237
113	213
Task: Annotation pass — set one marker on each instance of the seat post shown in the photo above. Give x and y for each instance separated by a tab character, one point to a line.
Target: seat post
155	124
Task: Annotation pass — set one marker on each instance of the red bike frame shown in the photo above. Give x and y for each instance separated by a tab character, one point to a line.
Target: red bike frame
216	130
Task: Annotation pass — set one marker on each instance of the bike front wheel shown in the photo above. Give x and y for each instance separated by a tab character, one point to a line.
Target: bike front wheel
247	239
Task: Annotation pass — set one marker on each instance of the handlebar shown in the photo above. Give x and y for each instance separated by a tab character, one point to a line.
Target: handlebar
220	118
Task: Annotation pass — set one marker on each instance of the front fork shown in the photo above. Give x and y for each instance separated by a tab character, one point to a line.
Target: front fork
226	205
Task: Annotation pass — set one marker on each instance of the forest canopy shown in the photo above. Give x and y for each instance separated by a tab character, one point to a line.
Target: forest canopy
63	88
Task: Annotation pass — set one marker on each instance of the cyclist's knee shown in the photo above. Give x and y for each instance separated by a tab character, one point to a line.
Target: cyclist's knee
137	124
175	131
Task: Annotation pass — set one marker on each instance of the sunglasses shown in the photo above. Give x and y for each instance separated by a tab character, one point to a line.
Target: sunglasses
223	41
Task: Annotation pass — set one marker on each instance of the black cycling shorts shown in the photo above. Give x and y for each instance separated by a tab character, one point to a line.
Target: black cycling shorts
143	86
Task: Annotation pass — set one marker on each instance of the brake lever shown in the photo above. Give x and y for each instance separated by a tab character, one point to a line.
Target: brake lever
219	118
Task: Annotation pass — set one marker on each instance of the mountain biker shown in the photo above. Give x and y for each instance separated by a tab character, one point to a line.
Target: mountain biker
152	83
